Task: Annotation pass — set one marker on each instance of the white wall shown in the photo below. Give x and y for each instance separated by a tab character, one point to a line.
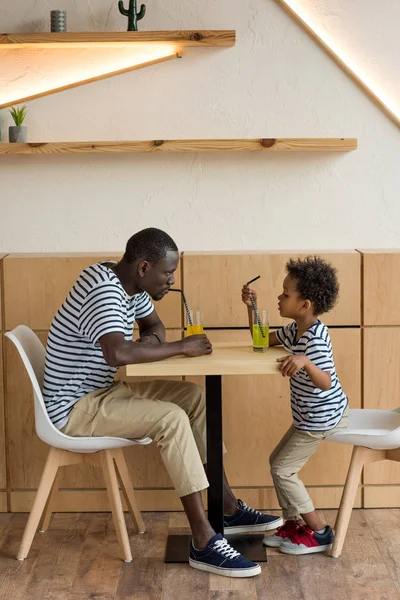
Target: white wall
276	82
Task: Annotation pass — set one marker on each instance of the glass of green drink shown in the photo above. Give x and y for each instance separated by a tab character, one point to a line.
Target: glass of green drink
260	331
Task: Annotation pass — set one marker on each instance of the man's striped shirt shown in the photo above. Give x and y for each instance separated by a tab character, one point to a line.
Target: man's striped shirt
312	408
96	305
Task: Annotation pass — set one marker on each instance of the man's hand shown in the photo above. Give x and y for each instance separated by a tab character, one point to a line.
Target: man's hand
196	345
247	294
290	365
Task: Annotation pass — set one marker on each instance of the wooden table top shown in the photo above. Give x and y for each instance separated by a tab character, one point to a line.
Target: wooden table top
236	358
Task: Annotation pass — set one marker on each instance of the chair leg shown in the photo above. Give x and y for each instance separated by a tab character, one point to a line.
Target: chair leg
347	501
42	494
110	476
48	510
127	488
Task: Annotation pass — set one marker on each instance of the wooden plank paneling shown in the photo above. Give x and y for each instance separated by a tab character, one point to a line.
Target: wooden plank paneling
2	256
257	414
3	476
381	287
46	280
381	496
225	273
3	502
162	500
381	389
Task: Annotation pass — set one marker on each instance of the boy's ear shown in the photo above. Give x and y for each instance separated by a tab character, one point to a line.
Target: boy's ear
307	305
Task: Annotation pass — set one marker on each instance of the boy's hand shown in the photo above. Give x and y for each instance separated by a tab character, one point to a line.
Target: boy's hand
247	293
290	365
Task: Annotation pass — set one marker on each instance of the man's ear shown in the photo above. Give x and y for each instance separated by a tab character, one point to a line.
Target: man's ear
143	267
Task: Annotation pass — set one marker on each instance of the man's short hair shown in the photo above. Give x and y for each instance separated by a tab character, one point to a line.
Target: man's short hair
150	244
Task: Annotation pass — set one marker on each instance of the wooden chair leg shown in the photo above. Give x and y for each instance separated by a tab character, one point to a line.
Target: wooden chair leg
48	510
127	489
46	483
110	476
347	501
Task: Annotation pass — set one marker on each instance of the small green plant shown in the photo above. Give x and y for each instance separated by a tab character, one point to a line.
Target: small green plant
18	114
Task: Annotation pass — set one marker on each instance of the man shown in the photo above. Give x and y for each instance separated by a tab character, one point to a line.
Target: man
91	335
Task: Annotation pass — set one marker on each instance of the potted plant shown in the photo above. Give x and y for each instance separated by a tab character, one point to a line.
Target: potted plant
17	132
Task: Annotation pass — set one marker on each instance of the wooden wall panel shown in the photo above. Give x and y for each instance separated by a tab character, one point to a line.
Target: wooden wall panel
2	256
46	280
381	287
257	414
225	273
381	389
3	475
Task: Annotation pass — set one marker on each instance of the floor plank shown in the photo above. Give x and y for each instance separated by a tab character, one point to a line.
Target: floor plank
79	558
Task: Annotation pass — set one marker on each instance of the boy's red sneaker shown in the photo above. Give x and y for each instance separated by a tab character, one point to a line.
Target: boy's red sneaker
307	541
276	540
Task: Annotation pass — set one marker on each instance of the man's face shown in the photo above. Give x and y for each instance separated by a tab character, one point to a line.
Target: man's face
158	277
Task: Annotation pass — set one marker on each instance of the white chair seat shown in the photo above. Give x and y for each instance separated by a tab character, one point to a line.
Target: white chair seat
376	429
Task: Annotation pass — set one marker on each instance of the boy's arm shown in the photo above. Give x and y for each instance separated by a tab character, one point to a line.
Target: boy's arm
290	365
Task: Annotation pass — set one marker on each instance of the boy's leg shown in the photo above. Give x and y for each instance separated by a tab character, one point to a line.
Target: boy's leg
297	448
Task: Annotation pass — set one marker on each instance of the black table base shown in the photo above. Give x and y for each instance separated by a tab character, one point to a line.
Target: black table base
250	545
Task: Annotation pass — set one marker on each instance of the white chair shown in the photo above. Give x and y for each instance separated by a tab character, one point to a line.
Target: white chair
66	450
375	435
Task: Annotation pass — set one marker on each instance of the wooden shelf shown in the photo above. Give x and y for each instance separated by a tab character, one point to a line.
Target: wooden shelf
234	145
67	60
120	38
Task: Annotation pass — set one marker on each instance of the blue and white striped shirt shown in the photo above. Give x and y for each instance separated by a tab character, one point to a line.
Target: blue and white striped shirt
313	409
74	366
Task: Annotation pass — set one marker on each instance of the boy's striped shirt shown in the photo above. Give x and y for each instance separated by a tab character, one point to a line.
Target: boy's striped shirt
312	408
74	366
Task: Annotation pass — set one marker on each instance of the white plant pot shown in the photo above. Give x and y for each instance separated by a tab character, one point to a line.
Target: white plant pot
17	134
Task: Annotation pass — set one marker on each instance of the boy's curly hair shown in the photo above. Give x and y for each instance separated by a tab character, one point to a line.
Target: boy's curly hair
316	281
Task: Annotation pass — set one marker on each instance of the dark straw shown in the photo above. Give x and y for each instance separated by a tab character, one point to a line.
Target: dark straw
254	306
185	304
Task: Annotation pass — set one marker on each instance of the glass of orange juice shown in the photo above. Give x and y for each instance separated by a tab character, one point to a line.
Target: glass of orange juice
196	317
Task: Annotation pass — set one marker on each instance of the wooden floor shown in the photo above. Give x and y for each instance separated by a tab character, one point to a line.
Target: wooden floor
78	559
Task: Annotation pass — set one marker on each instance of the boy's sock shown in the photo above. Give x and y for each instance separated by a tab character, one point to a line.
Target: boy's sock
321	531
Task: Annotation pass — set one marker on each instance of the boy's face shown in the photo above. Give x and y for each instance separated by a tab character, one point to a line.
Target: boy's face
290	304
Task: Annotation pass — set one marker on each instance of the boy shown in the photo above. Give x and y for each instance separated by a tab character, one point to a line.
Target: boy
319	405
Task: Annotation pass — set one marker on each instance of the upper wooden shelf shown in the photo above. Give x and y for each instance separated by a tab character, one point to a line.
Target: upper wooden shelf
120	38
234	145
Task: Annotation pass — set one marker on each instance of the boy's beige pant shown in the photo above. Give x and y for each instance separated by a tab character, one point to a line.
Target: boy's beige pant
286	460
171	413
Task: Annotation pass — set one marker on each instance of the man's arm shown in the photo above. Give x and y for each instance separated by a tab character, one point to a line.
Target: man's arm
118	351
152	327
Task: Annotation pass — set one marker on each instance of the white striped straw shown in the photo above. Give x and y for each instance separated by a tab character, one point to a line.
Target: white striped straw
257	316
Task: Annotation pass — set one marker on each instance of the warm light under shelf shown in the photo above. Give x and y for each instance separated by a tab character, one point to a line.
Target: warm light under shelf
28	73
37	64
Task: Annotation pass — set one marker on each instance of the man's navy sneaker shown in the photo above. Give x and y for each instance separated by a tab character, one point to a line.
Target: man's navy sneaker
220	558
247	520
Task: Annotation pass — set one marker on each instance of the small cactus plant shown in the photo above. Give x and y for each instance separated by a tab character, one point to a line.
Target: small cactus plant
132	14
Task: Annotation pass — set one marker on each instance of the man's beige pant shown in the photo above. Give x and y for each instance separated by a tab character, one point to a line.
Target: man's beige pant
286	460
171	413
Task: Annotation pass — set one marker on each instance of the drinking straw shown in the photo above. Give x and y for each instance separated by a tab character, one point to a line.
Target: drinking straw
254	306
185	304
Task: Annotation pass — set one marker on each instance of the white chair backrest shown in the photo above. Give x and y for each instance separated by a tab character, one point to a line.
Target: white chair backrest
32	353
